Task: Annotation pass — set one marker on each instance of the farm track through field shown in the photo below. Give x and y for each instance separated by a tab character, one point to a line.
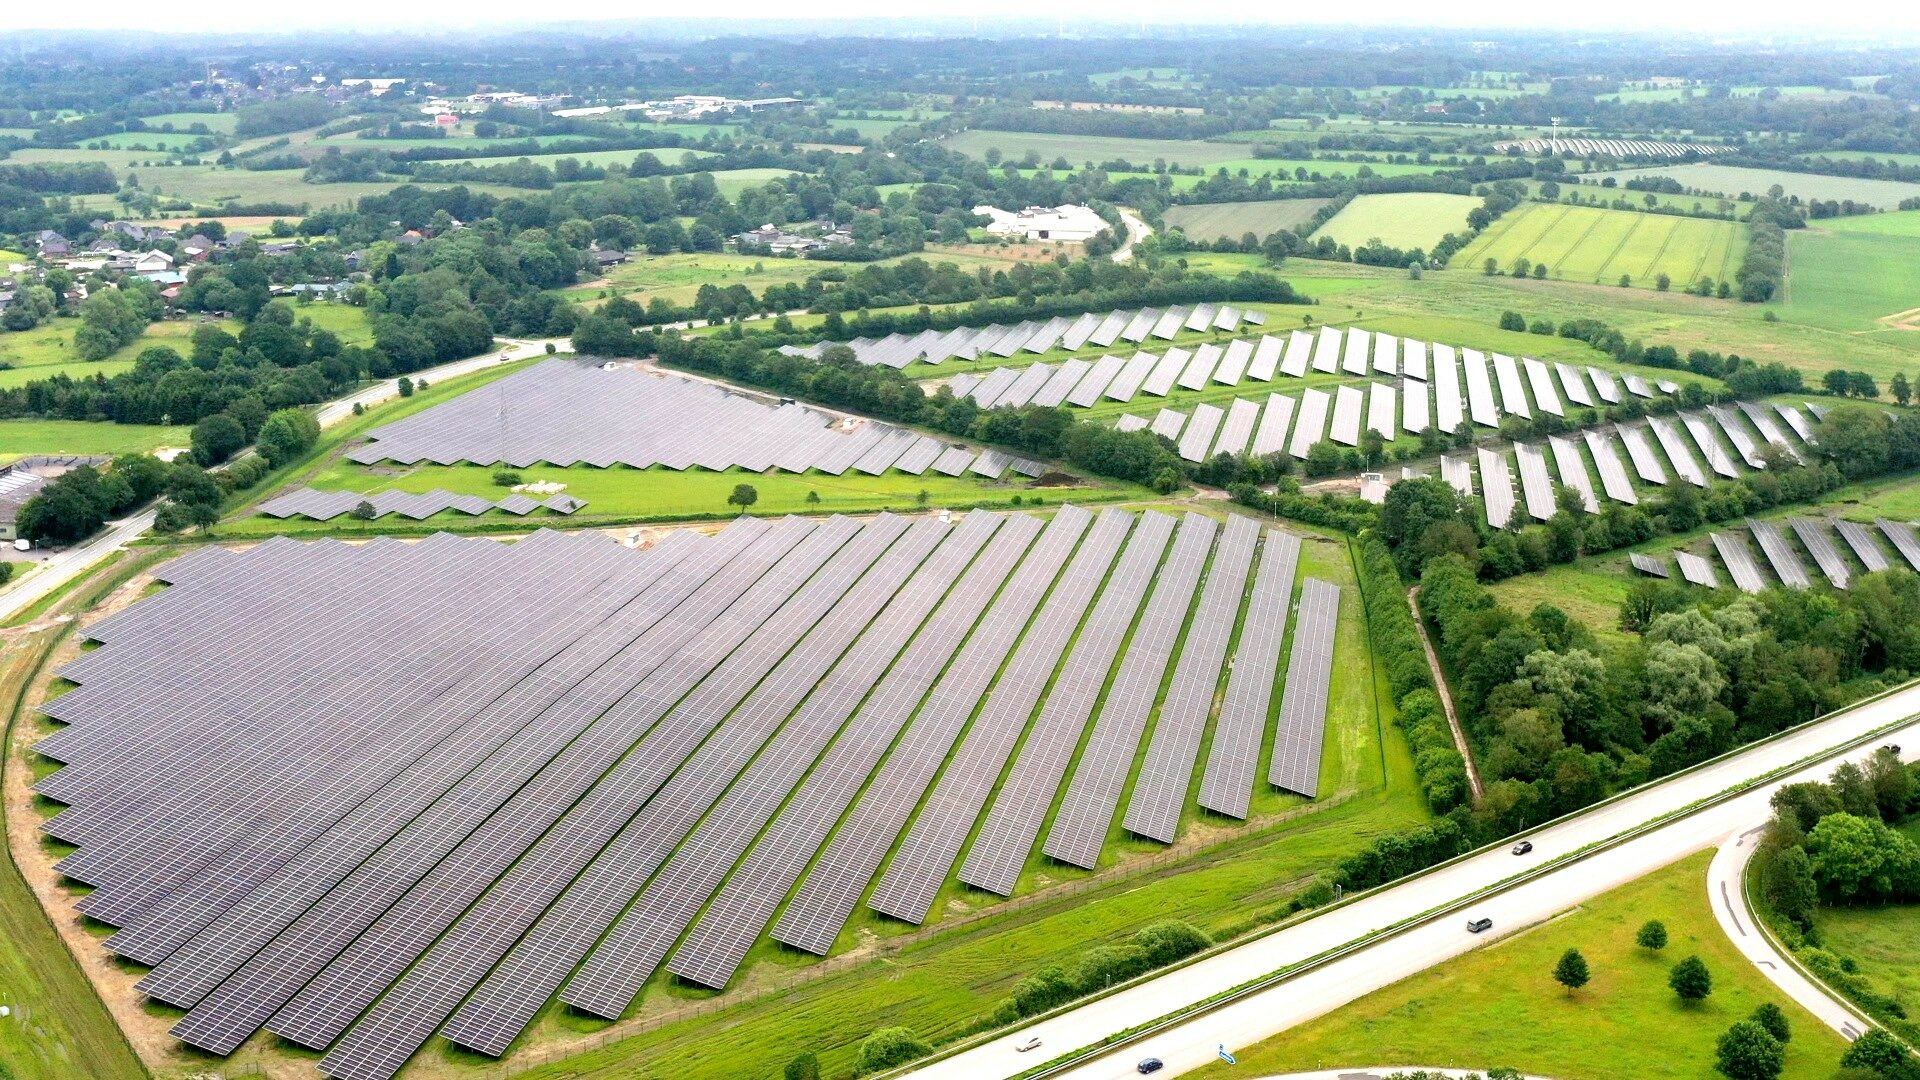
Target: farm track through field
1487	240
1673	228
1544	233
1700	264
1582	238
1726	258
1600	275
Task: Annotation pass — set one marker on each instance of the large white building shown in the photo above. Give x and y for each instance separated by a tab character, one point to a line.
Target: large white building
1059	223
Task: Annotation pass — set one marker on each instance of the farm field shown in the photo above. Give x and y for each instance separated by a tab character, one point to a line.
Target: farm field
1079	149
154	141
46	350
1598	245
211	185
1499	1007
1853	281
1410	220
1214	221
1863	155
732	182
1732	180
22	438
678	277
1896	223
220	123
669	156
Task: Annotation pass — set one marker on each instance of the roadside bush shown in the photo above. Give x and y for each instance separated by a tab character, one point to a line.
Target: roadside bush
1153	946
892	1046
286	435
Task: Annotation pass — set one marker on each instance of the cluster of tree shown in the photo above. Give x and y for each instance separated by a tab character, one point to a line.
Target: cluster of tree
73	505
113	318
1128	124
63	177
1154	946
1396	645
1763	269
1348	514
275	116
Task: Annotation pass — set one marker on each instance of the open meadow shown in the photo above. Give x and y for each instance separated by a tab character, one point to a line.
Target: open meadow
1734	181
1856	281
1598	245
1099	149
1409	220
1231	221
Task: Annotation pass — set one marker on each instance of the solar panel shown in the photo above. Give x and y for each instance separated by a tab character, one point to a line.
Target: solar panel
1303	704
1131	422
1082	328
1233	363
1572	469
1743	443
1031	382
1780	554
1312	421
1637	386
1573	383
1271	436
1696	570
1228	318
1386	354
1480	405
1458	472
1413	406
1048	336
1819	543
1496	486
1819	411
919	867
1065	378
1299	352
1326	349
1345	428
1413	359
1739	561
1797	421
1095	382
1109	329
1380	409
1266	358
1860	540
1200	368
1237	429
1513	396
1233	759
1446	389
1198	436
1716	455
1536	487
1169	324
1006	838
1127	383
1613	475
1900	535
1646	464
1541	382
1167	771
1648	564
1137	330
1167	423
1356	354
1770	431
1160	381
994	386
1678	455
1201	318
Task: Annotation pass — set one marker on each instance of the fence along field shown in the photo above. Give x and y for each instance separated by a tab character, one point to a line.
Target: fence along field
1594	244
1233	220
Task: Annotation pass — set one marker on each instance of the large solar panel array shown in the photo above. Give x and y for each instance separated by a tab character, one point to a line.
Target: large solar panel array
501	774
566	412
1816	538
1303	704
326	505
973	343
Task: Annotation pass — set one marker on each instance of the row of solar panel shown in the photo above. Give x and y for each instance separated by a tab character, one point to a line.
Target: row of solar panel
358	794
1537	485
565	412
1070	334
1816	538
326	505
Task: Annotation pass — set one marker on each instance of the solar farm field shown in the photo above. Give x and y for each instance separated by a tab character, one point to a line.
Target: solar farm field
1409	220
1215	221
1733	180
610	777
1595	244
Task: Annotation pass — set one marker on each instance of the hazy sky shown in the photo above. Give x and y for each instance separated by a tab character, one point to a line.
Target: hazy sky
1864	17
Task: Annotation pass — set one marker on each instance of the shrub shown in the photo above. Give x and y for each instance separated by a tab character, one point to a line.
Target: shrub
1691	979
1652	936
892	1046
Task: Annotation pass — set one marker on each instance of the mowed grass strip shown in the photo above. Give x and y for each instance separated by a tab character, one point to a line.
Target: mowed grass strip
1231	221
1600	245
1498	1006
1407	220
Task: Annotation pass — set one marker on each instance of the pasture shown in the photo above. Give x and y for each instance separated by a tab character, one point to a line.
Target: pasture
671	156
1231	221
1498	1005
1897	223
47	350
1410	220
1733	181
1598	245
20	438
219	123
1854	281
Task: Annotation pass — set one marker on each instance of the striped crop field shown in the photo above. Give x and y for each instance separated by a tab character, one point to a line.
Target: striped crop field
1595	244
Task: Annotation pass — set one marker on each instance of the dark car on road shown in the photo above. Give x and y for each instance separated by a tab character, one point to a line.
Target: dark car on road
1477	926
1150	1065
1523	847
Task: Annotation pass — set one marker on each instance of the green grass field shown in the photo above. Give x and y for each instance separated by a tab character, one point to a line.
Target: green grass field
1592	244
1733	180
1499	1005
1411	220
1214	221
669	156
47	349
20	438
218	123
1863	155
1896	223
1860	282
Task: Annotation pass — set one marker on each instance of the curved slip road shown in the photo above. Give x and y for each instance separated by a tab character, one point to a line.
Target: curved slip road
1321	989
1725	877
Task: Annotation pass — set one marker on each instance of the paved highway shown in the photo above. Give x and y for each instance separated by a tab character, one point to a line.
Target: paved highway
1312	993
1724	877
